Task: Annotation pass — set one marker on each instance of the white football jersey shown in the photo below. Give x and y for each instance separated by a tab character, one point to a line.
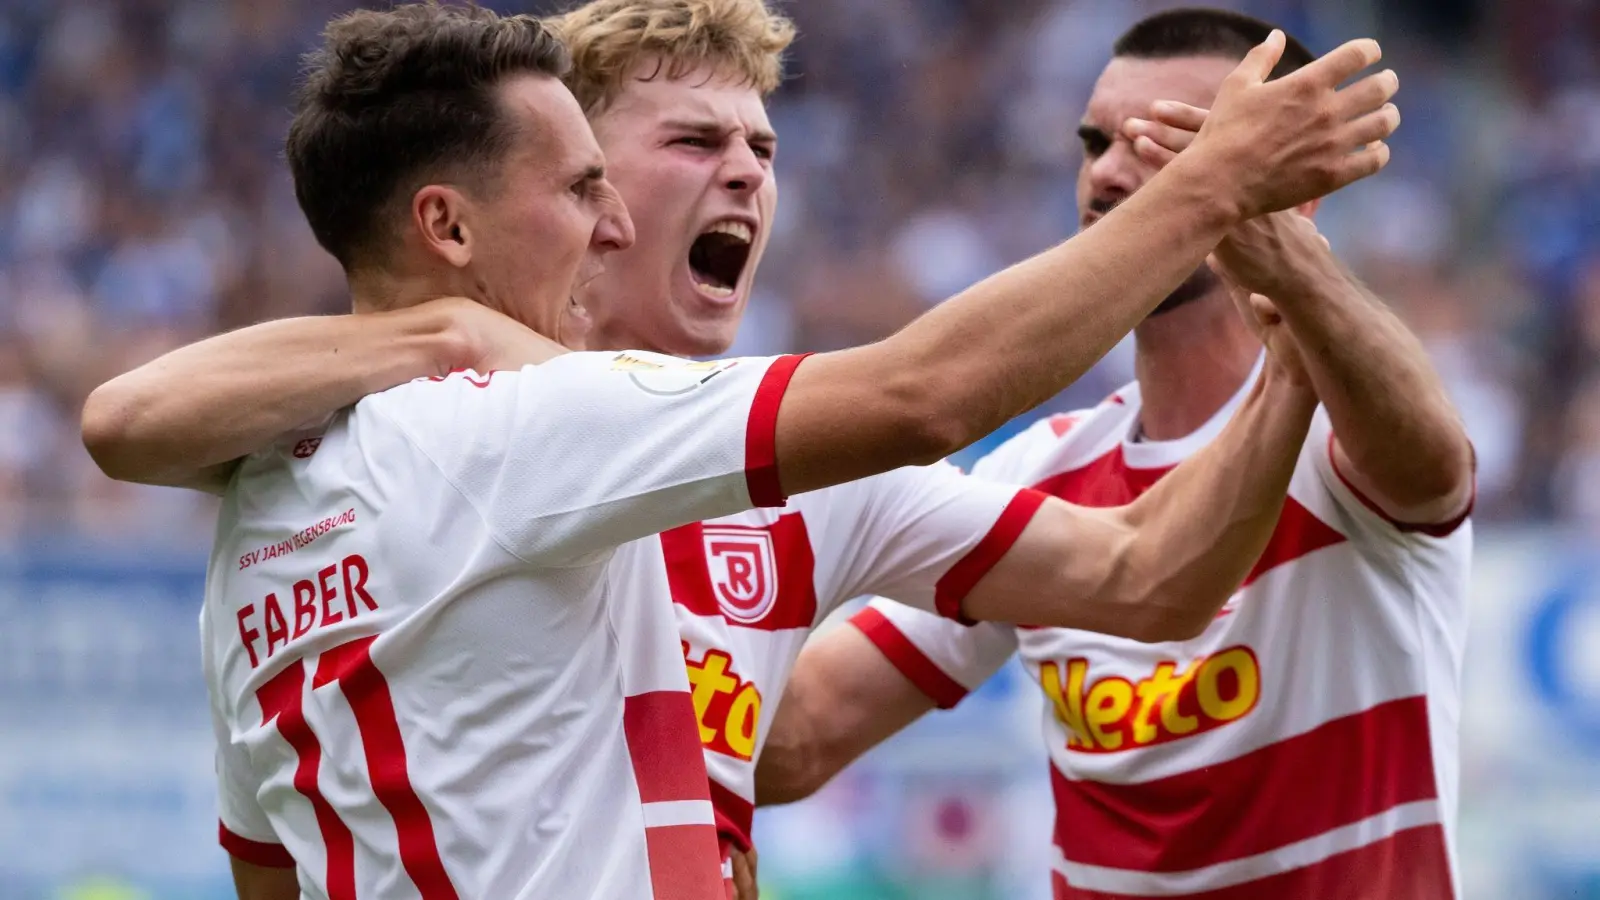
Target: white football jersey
432	670
749	588
1304	746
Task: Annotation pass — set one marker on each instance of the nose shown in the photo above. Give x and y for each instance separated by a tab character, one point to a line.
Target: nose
1118	171
614	230
742	171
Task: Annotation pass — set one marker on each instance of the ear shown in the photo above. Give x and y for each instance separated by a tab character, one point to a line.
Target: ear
1309	209
439	215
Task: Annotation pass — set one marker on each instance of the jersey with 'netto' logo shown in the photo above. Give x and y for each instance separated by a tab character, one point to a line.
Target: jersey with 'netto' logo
1304	746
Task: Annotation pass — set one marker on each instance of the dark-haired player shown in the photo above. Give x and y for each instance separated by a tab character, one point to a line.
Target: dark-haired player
1305	745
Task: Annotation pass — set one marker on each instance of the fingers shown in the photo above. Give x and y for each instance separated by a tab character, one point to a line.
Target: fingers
1341	63
1374	126
1178	115
1261	60
1264	311
1174	139
744	876
1366	95
1152	153
1363	163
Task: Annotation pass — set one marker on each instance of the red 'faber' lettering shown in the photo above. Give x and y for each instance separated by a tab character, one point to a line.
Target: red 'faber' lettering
313	604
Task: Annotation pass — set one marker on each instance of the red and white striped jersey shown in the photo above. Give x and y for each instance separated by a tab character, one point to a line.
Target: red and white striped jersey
1304	746
749	588
438	639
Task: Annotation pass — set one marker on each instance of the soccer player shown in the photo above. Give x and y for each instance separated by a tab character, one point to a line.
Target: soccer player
1305	744
665	136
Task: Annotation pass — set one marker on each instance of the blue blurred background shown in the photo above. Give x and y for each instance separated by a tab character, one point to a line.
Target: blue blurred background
926	143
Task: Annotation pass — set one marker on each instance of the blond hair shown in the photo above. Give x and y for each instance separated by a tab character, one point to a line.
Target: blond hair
609	38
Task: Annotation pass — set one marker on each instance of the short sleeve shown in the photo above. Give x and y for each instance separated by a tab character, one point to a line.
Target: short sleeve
242	827
929	534
591	450
945	660
1319	449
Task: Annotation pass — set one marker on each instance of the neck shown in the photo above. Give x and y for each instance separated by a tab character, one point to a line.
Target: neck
373	290
1189	363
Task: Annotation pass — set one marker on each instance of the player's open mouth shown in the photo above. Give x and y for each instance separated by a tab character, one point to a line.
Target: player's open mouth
717	258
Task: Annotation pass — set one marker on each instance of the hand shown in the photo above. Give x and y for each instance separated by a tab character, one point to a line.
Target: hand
1281	255
744	876
1283	351
484	339
1273	145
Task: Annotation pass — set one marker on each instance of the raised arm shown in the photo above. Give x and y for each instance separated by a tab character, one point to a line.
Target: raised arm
1019	337
1398	439
184	418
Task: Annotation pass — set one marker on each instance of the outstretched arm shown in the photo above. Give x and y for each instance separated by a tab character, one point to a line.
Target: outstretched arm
1161	567
1017	338
184	419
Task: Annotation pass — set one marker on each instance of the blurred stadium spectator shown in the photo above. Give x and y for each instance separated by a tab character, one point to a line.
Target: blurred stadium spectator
145	203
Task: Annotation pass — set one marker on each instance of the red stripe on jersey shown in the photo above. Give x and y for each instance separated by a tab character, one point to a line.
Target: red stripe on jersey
911	661
1435	530
664	745
764	574
1107	481
735	816
256	853
282	699
1339	773
761	433
367	692
1297	533
684	864
1411	864
954	586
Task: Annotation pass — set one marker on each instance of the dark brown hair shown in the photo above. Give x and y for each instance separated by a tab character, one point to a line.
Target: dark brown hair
1205	32
398	96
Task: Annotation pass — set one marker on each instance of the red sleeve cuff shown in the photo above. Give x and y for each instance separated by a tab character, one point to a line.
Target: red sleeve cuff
1431	529
761	433
272	856
957	583
943	690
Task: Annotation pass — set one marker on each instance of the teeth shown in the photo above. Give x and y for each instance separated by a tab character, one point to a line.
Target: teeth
715	291
737	229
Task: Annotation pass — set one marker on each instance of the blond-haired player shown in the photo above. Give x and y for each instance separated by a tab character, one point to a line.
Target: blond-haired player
674	91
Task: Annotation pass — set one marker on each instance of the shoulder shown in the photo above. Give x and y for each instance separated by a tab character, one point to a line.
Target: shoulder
1020	458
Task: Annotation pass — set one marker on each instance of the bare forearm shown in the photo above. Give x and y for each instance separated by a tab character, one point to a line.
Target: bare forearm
843	698
1389	408
1202	528
212	402
1003	346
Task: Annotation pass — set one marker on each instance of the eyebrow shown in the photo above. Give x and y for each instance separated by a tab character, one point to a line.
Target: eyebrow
706	127
1087	131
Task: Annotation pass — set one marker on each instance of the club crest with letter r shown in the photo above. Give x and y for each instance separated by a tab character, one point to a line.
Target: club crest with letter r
743	575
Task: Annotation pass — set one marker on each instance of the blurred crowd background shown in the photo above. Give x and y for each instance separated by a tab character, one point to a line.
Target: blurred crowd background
925	143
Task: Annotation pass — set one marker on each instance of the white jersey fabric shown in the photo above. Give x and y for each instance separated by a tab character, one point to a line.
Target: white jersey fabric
749	588
432	671
1304	746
